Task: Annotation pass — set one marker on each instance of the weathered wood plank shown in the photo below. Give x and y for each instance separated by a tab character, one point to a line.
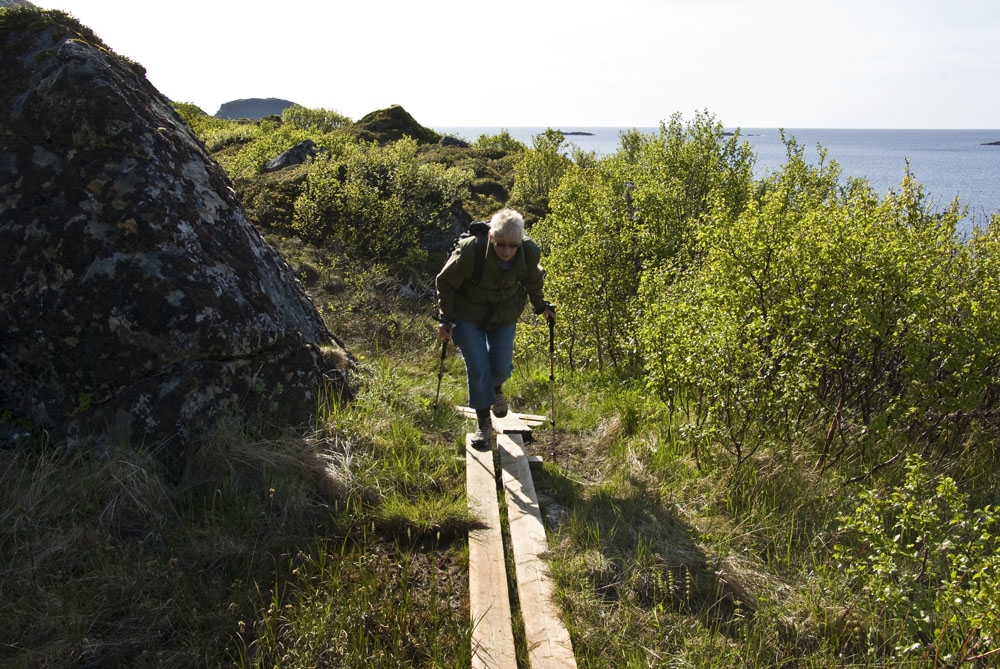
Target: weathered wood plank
532	418
489	602
511	424
548	640
528	419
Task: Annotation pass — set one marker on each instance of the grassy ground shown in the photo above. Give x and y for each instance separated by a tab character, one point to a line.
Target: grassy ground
342	546
345	545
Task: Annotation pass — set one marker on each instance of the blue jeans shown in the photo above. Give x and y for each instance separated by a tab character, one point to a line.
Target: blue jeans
489	359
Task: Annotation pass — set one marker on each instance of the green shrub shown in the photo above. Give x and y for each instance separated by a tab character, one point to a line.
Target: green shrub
498	145
537	173
819	309
635	212
260	143
318	120
204	125
375	203
925	570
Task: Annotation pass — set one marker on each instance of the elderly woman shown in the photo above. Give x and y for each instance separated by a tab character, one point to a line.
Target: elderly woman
480	313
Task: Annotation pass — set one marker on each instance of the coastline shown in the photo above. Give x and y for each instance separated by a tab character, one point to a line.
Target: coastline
947	163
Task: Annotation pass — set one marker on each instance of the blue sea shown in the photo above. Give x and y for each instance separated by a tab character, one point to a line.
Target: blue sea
947	163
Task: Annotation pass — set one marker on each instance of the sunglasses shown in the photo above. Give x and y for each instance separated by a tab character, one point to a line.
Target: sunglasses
506	245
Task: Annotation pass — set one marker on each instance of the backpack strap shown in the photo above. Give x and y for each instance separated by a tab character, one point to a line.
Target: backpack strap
481	229
477	272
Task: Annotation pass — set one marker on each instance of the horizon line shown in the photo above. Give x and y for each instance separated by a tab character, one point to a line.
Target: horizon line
726	127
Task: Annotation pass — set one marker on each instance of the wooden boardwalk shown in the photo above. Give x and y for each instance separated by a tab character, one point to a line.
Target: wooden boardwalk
492	635
547	639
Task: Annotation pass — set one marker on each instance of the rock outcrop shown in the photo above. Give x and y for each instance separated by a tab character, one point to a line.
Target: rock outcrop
137	303
390	125
296	155
448	140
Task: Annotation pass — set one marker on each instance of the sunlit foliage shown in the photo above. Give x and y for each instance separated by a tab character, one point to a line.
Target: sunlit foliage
380	203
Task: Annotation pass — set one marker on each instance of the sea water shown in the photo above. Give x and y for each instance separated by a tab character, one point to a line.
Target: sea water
947	163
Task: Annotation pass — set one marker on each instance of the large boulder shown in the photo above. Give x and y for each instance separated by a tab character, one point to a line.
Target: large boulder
296	155
137	303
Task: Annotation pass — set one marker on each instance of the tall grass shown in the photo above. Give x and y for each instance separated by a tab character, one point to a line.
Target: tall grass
664	561
343	545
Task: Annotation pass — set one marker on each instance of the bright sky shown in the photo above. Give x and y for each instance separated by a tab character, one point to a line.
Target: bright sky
559	63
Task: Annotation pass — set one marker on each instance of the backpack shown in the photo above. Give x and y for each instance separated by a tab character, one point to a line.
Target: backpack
481	231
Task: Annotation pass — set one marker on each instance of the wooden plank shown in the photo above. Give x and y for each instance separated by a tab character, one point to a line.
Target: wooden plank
489	602
548	640
530	419
511	423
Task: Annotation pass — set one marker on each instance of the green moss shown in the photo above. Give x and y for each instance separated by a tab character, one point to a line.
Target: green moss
28	18
389	125
270	198
17	422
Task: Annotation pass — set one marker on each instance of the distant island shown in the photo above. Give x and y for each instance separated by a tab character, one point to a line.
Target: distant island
253	108
997	143
576	132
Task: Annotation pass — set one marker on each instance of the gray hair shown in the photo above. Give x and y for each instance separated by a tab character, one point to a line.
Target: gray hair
507	225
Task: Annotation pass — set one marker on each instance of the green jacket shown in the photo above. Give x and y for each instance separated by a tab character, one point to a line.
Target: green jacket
499	297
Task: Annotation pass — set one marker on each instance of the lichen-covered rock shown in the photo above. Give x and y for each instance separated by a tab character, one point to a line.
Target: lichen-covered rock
136	300
296	155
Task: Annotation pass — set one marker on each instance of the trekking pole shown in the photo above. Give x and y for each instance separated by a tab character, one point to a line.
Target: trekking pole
444	351
552	365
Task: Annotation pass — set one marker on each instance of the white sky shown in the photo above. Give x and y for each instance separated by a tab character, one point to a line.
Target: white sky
560	63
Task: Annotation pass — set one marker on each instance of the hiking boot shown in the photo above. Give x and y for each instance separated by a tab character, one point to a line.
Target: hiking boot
499	404
483	435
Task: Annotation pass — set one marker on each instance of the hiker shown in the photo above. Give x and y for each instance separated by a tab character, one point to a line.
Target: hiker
480	313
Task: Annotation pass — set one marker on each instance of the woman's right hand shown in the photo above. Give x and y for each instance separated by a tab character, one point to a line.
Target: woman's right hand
444	331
